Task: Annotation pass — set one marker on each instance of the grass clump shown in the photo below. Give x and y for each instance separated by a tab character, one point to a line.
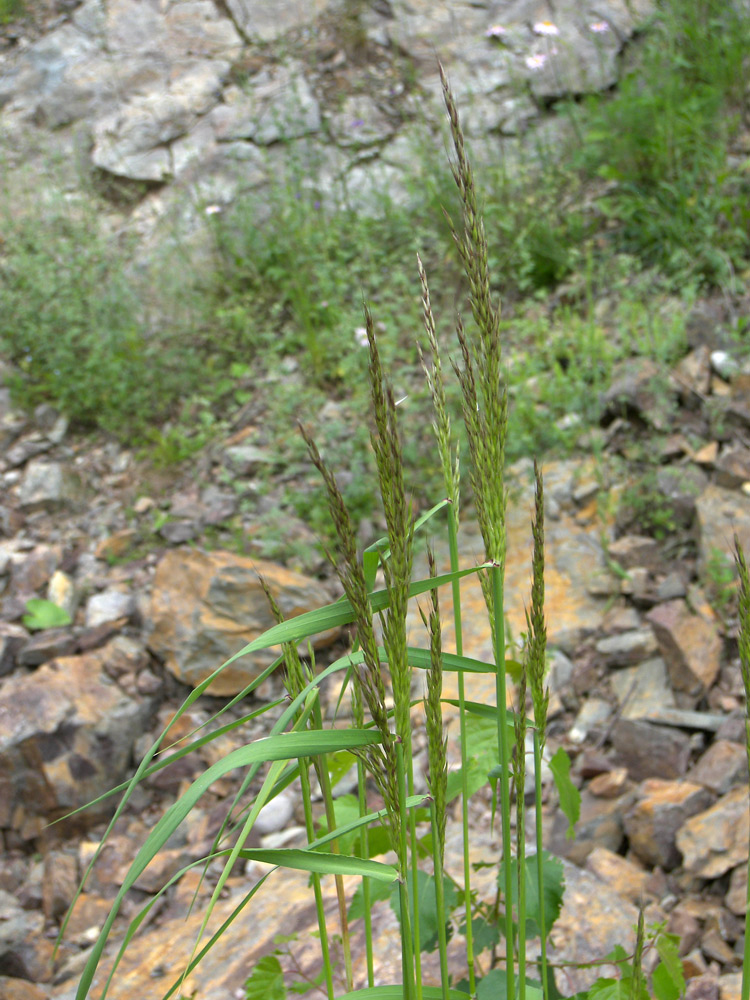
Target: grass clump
429	901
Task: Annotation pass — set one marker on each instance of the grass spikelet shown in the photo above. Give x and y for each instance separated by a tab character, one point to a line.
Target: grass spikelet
436	384
537	629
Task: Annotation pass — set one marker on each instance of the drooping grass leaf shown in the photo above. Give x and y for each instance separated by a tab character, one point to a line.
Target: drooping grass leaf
346	808
266	981
552	889
570	797
274	748
43	614
321	863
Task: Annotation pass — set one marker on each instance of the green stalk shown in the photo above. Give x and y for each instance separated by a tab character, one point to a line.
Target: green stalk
415	884
364	837
407	942
440	903
453	545
324	779
519	772
304	778
503	752
539	858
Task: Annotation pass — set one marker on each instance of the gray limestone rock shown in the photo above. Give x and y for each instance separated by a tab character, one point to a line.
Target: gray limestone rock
49	486
66	736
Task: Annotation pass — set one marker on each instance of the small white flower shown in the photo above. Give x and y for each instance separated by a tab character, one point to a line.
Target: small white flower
213	209
536	61
546	28
360	335
599	27
496	31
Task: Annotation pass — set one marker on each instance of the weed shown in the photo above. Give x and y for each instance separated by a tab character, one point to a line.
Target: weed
427	904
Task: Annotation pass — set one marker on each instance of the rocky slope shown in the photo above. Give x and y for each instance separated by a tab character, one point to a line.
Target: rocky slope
646	689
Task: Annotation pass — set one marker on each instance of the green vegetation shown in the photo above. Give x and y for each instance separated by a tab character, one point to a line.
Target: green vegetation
10	10
645	198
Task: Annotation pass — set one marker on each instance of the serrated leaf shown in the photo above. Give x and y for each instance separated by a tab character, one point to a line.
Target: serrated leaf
570	797
552	891
44	614
667	947
428	919
485	933
607	989
663	985
266	981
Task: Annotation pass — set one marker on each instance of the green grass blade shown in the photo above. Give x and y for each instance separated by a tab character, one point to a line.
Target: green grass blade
273	748
323	864
336	614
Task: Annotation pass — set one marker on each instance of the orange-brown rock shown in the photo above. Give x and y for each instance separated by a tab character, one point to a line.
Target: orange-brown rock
661	809
690	645
716	840
206	606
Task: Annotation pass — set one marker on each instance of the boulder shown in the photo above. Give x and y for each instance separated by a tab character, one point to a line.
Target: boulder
660	810
716	840
690	645
206	606
66	736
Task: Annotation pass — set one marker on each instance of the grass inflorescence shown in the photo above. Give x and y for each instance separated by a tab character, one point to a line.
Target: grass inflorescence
433	902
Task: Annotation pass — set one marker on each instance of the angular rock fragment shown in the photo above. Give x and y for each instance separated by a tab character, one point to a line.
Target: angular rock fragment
716	840
206	607
659	812
689	644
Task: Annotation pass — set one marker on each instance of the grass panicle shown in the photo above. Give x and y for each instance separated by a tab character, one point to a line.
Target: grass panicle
430	905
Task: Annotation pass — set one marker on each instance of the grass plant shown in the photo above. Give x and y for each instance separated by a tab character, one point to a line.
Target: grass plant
429	900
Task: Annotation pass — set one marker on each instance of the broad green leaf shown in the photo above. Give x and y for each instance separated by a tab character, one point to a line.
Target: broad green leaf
493	986
266	981
397	993
553	888
43	614
428	917
274	748
570	797
667	947
608	989
485	933
421	658
339	765
378	891
664	986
